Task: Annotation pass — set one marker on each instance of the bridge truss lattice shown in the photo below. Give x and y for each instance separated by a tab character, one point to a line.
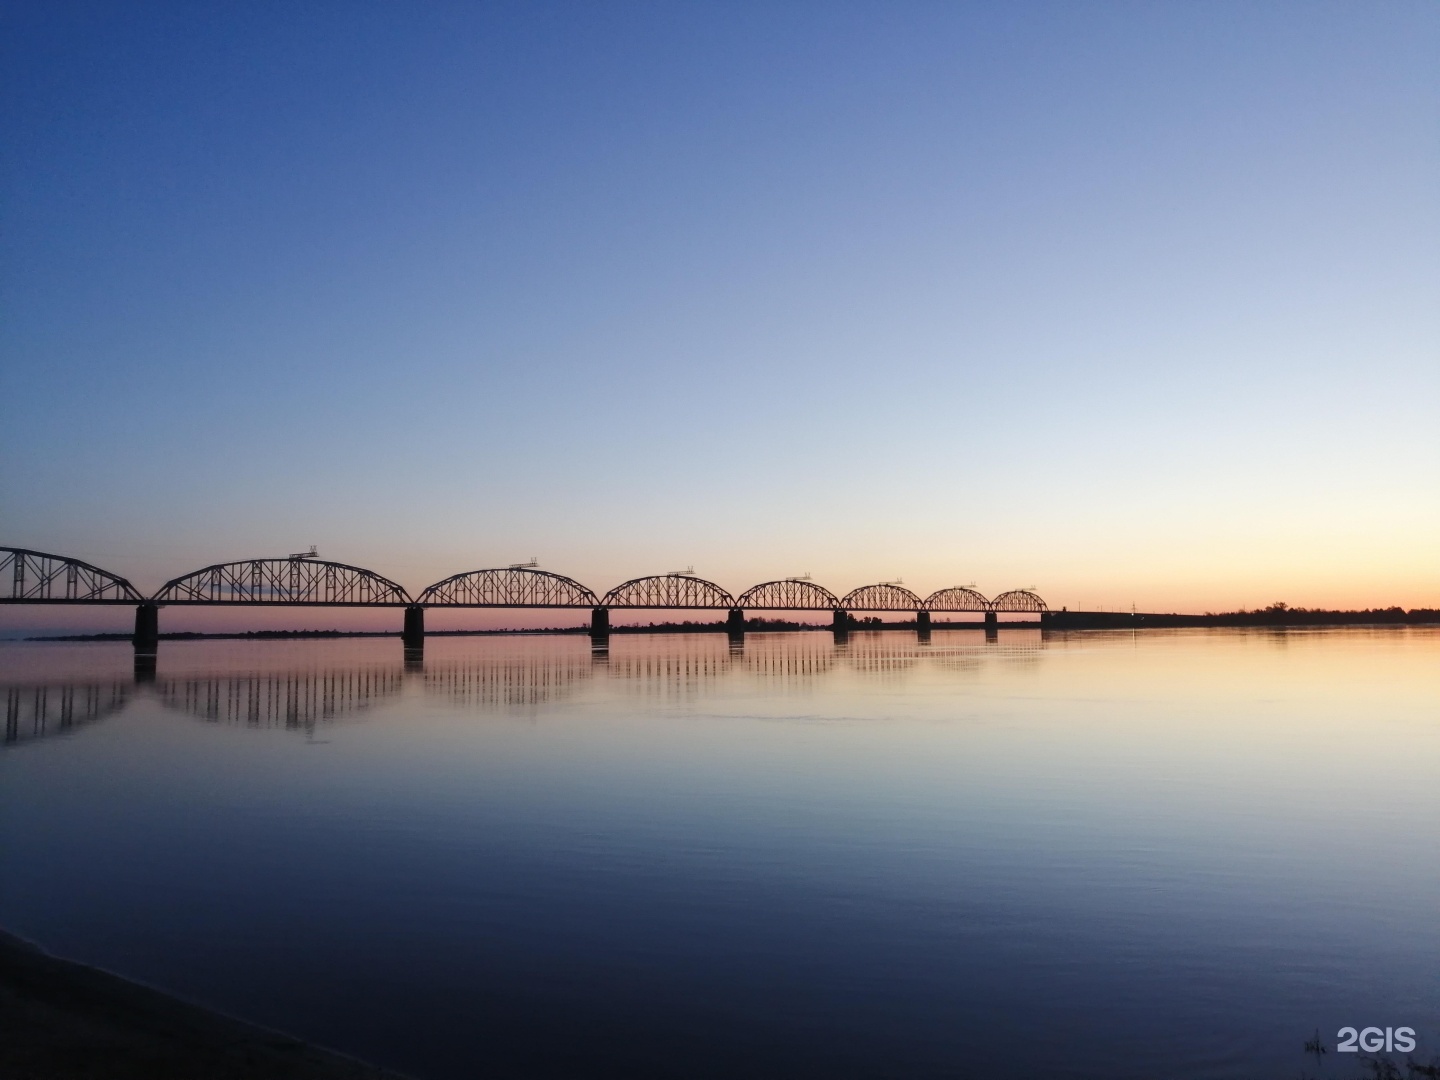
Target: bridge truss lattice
36	577
511	587
300	581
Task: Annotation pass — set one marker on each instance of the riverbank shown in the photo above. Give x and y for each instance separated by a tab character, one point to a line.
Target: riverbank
1272	618
64	1021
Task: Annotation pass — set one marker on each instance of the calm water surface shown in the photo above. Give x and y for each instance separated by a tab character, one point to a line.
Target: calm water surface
1095	855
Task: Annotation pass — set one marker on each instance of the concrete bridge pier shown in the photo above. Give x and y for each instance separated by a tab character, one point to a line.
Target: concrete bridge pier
147	630
600	624
735	624
840	624
147	641
922	625
992	626
414	633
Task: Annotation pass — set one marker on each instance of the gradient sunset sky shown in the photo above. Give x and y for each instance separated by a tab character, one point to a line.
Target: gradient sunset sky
1134	303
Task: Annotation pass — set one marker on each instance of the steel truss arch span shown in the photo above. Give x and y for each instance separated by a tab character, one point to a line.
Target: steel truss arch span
308	582
1018	600
956	598
789	594
883	597
37	577
511	587
668	591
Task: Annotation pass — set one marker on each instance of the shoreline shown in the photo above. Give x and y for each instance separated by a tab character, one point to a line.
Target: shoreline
63	1020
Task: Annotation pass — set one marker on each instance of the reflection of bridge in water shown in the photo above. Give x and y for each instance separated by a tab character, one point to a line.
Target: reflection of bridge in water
303	580
38	711
500	673
671	674
510	680
296	700
790	656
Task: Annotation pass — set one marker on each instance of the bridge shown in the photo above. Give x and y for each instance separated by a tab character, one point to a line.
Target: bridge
305	580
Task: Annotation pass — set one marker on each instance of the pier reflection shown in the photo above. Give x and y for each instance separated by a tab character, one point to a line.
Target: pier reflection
42	710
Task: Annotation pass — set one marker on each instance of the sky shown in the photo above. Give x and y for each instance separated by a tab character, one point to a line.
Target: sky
1131	303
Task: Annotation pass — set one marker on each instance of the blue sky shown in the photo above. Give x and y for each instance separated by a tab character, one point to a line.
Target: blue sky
1129	302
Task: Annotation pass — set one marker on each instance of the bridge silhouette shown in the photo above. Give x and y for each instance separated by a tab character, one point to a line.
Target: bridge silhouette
37	577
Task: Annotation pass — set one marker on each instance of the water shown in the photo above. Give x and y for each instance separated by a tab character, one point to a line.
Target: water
1097	855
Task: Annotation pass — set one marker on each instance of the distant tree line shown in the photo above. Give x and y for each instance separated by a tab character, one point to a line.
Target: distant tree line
1281	614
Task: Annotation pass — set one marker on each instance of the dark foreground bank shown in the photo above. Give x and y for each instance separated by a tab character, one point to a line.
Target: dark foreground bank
65	1021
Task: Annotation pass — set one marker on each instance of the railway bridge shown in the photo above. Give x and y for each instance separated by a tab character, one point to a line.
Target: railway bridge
305	580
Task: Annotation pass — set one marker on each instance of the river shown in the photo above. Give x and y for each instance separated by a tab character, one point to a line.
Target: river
1107	855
